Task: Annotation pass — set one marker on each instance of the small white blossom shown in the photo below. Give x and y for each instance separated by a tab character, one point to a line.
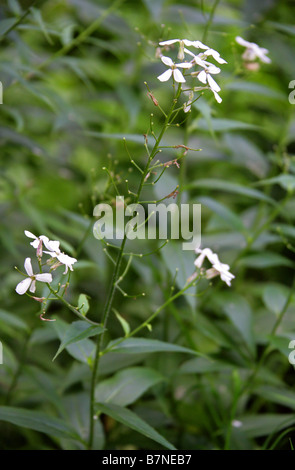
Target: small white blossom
253	51
236	423
222	270
54	252
188	104
206	253
37	240
205	77
173	71
30	282
182	43
201	58
218	268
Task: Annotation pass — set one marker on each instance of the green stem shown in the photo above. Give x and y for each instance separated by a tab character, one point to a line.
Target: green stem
209	22
150	318
71	307
109	301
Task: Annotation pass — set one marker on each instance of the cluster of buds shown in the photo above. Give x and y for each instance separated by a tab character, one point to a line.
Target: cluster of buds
190	61
57	258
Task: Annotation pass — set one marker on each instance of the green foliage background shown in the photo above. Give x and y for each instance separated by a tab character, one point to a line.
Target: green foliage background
73	76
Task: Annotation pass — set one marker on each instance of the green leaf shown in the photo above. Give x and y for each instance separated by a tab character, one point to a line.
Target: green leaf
143	345
222	125
76	410
131	420
181	266
227	186
83	350
5	25
224	213
239	312
287	182
200	365
39	20
12	321
255	88
275	297
281	343
124	323
284	229
137	138
285	28
83	304
263	425
265	260
76	332
249	155
38	422
127	386
278	395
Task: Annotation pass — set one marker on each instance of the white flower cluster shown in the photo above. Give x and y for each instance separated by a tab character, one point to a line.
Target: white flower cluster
218	268
199	60
54	252
253	51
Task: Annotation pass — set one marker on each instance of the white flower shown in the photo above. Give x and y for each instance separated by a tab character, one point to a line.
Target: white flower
54	252
218	268
182	43
222	270
30	282
253	51
201	58
37	240
206	253
177	75
215	55
205	77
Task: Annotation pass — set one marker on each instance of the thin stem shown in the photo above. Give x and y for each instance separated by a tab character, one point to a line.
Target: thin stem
150	318
71	307
109	301
209	22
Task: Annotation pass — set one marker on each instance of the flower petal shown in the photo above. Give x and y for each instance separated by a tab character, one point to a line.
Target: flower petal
44	277
165	76
215	56
178	77
185	65
53	254
188	43
167	61
52	245
167	43
202	76
29	234
65	259
199	45
23	286
212	83
28	267
243	42
217	97
33	286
